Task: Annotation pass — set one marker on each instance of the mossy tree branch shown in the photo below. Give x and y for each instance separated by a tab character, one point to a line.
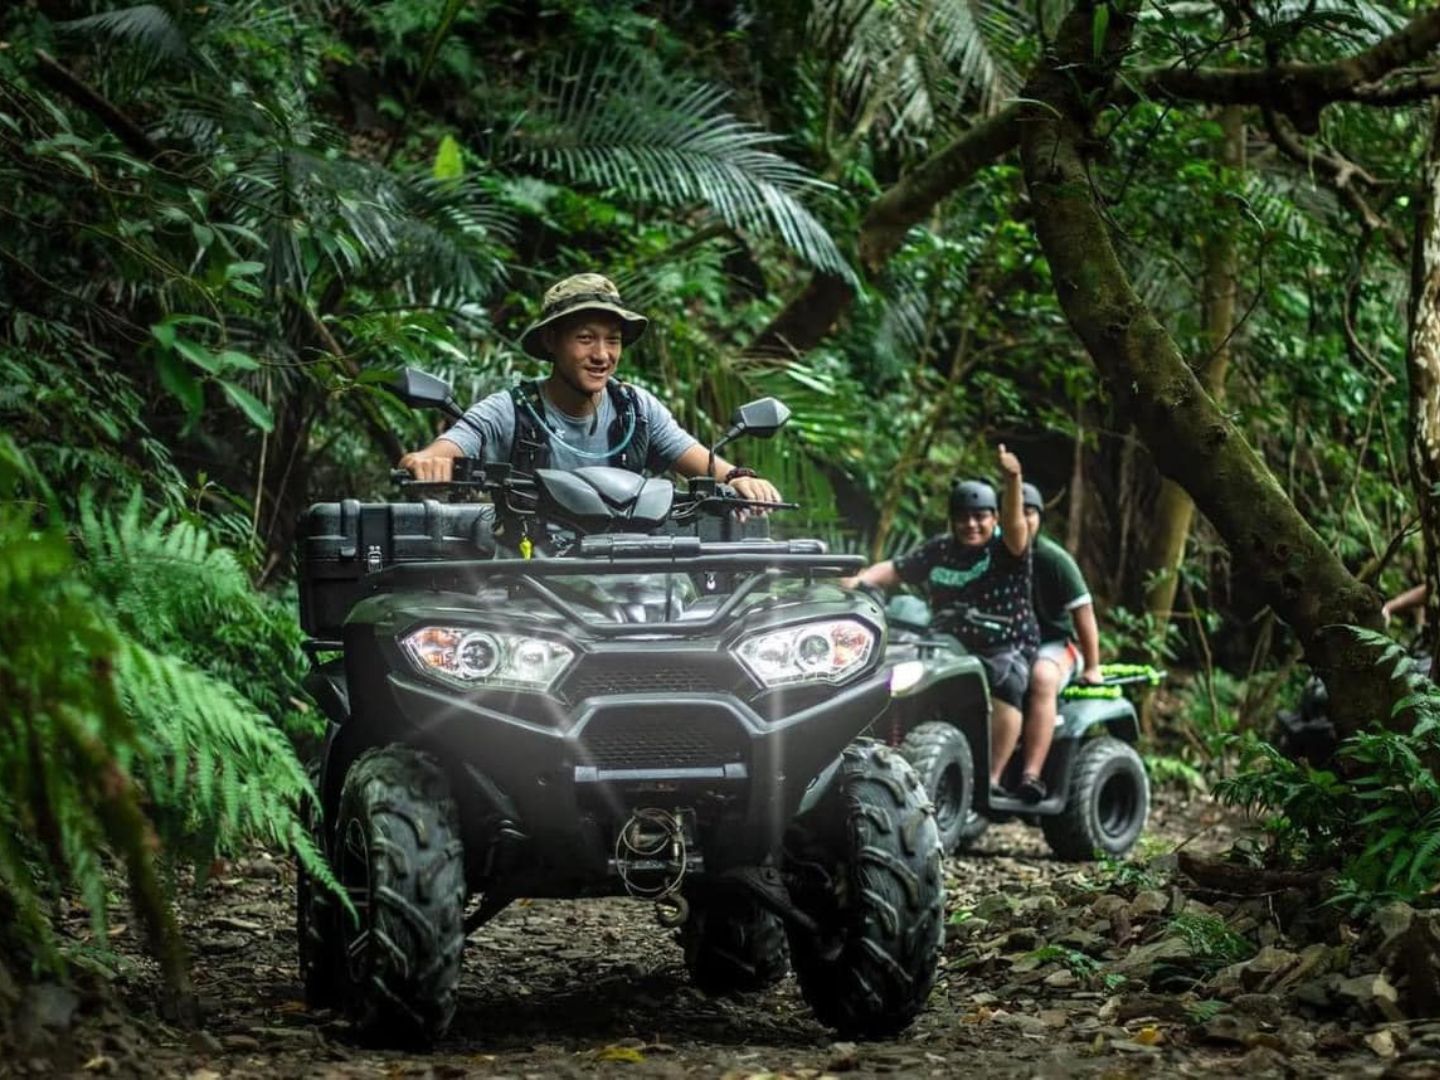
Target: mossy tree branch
1423	366
1301	91
1193	443
811	315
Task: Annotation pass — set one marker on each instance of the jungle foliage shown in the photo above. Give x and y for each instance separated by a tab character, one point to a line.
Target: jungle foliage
226	224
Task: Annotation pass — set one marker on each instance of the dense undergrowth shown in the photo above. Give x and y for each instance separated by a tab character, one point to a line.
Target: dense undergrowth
125	731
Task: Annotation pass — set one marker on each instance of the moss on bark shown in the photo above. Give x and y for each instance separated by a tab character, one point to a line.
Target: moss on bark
1191	440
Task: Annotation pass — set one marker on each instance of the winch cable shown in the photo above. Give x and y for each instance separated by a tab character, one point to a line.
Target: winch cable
669	840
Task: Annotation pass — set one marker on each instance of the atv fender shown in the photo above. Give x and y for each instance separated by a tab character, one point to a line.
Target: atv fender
326	684
818	787
1079	716
953	689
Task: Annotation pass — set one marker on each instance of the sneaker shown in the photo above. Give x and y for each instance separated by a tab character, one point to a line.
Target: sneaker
998	792
1032	789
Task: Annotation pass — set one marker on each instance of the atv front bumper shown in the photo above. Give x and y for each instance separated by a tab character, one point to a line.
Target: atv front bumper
564	787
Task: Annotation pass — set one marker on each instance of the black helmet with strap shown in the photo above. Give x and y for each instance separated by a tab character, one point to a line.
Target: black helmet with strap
972	495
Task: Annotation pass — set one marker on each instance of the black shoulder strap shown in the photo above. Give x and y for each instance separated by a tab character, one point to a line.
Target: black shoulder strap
530	449
634	454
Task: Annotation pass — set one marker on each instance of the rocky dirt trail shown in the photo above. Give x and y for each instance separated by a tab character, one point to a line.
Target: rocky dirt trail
1050	970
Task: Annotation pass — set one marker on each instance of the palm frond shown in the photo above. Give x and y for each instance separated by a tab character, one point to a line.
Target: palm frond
1364	21
450	238
648	138
148	28
922	62
974	40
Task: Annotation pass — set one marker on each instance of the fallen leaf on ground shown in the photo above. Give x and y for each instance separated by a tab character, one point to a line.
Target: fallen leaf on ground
620	1053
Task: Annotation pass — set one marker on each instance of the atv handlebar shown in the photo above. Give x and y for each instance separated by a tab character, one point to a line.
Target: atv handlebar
474	475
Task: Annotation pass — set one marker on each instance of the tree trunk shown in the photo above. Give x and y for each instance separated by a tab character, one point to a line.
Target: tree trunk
1174	511
1191	440
1423	363
1075	515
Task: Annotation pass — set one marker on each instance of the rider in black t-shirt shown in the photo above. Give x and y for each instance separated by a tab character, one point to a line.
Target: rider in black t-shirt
981	568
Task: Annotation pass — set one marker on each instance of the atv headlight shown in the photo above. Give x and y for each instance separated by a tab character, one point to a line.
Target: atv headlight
482	656
811	652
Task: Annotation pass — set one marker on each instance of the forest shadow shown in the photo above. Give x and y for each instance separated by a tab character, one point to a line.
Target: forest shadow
657	1005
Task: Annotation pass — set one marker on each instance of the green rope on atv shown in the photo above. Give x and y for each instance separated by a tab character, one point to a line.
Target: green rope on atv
1085	690
1115	676
1154	676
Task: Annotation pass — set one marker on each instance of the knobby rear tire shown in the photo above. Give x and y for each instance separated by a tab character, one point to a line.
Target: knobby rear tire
974	827
399	854
940	755
1108	806
734	945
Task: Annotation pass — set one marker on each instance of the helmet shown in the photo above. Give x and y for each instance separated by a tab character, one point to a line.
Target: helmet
972	495
1033	498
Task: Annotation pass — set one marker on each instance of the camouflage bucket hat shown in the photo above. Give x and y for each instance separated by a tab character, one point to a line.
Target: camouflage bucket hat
582	292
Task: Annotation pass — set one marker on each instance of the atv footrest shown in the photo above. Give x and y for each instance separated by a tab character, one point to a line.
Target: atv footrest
1045	807
589	774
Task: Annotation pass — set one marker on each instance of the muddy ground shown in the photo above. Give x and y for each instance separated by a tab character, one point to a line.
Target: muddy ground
597	987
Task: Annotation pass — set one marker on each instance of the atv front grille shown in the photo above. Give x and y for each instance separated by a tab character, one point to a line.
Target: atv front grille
655	742
598	677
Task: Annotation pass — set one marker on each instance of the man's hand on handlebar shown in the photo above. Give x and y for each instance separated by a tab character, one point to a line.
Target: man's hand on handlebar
1092	676
428	468
756	488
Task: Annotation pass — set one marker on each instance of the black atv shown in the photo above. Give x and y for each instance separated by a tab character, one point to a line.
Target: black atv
591	683
1306	732
939	719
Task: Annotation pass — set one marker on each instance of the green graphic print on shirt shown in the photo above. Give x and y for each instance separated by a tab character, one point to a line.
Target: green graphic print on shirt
987	579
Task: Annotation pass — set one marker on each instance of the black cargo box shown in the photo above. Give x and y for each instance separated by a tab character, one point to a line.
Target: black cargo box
340	542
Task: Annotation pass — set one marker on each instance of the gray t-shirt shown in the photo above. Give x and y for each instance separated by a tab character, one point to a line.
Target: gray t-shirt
575	441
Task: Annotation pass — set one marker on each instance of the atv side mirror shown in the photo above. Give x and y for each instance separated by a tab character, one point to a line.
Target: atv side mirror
421	390
760	419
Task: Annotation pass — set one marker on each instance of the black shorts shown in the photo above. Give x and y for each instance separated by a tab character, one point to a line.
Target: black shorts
1008	671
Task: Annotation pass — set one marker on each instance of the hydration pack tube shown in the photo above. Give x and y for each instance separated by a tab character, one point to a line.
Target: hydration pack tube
628	436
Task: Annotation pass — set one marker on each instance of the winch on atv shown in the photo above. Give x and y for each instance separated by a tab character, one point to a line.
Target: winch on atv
590	683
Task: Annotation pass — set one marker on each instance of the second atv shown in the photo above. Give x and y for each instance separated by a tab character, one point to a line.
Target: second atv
939	718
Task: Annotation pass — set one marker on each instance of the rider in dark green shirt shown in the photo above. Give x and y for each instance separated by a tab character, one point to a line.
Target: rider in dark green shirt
1069	638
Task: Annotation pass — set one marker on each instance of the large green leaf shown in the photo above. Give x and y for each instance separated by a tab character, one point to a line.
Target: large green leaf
650	137
256	410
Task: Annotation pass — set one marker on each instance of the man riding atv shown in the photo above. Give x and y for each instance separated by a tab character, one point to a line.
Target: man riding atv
581	414
652	709
981	567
